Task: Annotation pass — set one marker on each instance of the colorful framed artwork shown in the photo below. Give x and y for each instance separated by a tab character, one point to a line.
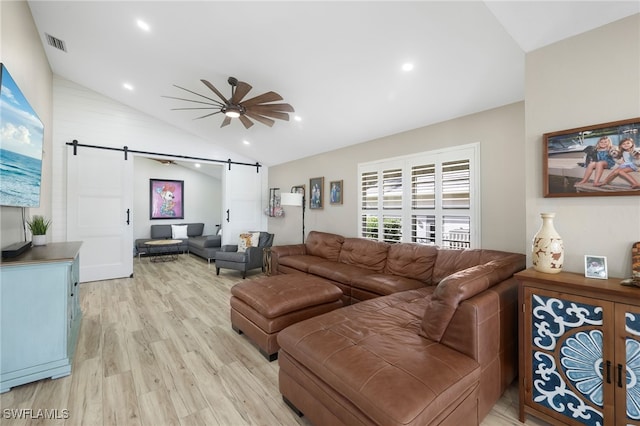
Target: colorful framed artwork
316	193
335	192
597	160
166	199
595	267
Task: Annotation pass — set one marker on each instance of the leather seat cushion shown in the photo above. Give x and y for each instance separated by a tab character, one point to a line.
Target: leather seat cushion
383	284
301	262
339	272
282	294
373	355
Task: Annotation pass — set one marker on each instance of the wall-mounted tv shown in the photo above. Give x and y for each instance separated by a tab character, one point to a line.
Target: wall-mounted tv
21	141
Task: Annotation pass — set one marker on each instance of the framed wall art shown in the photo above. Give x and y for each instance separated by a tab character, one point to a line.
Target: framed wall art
595	267
166	199
316	193
335	192
597	160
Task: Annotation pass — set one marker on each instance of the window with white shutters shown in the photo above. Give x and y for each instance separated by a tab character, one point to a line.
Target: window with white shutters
427	198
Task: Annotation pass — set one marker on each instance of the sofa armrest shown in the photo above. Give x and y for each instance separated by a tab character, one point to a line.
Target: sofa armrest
213	241
229	247
281	251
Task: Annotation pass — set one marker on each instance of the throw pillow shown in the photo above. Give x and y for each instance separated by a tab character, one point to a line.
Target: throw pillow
248	239
179	232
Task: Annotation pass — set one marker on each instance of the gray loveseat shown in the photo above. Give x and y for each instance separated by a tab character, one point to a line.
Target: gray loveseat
205	246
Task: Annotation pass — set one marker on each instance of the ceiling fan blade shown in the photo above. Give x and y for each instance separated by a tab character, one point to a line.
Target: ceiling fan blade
226	121
264	110
240	92
216	91
215	103
208	115
260	99
279	107
197	94
247	123
264	120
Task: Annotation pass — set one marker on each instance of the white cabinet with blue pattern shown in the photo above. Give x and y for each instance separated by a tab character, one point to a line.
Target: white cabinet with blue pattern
40	314
579	349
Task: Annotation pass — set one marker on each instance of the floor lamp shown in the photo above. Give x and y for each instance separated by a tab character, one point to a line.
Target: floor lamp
294	199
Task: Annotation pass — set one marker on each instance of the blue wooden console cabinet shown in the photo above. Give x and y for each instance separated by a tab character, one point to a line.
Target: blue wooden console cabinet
39	314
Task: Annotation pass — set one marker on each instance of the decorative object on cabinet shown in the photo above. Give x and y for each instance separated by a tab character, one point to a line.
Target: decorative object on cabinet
39	225
547	250
316	193
335	192
635	262
579	349
274	209
579	162
166	199
39	314
295	198
595	267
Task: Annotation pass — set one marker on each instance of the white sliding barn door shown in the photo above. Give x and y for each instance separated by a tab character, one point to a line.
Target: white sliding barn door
99	196
242	210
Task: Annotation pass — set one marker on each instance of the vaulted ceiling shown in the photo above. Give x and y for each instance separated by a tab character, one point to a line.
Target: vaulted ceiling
338	63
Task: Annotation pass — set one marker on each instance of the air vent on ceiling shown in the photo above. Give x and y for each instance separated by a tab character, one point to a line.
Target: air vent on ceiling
56	42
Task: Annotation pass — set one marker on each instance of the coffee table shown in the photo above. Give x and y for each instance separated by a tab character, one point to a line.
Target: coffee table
163	250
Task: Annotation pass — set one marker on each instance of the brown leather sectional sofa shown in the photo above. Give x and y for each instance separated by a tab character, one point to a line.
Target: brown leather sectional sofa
434	340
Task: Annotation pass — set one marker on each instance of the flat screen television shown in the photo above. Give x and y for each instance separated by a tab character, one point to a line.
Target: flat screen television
21	142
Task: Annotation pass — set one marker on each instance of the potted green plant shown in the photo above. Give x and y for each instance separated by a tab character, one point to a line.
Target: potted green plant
38	225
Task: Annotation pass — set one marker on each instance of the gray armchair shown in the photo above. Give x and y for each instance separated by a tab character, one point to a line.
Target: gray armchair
229	258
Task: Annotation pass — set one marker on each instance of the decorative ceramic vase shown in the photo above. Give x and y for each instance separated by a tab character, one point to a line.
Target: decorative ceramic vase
39	240
547	250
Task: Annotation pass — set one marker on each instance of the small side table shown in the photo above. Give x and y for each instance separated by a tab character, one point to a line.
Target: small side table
266	260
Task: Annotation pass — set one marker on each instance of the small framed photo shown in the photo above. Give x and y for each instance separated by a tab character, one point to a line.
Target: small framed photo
335	192
595	267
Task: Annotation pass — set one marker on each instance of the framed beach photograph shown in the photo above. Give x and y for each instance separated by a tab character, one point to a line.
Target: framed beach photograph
596	160
595	267
316	193
335	192
166	199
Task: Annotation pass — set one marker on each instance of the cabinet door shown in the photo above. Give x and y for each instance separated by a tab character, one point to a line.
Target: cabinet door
627	364
568	353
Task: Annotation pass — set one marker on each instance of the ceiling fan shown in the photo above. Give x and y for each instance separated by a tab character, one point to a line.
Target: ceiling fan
259	108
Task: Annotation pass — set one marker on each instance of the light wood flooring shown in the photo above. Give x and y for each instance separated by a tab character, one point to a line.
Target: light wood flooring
158	349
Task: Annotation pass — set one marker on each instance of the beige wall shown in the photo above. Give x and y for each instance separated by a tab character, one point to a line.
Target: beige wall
589	79
500	133
22	53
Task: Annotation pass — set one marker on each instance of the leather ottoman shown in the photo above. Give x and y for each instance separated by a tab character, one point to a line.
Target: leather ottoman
261	308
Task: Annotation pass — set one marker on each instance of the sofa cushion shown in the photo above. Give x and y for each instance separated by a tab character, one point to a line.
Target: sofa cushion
248	239
179	232
160	232
412	260
339	272
300	262
205	241
195	229
364	253
383	284
460	286
324	244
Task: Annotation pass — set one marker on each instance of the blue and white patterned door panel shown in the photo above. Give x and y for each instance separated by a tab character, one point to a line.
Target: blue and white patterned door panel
567	358
632	361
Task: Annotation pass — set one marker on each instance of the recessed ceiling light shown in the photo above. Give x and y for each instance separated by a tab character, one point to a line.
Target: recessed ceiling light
297	118
143	25
127	86
197	165
246	142
407	66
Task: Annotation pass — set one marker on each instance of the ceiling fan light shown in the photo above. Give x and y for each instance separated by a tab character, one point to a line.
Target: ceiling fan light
232	112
